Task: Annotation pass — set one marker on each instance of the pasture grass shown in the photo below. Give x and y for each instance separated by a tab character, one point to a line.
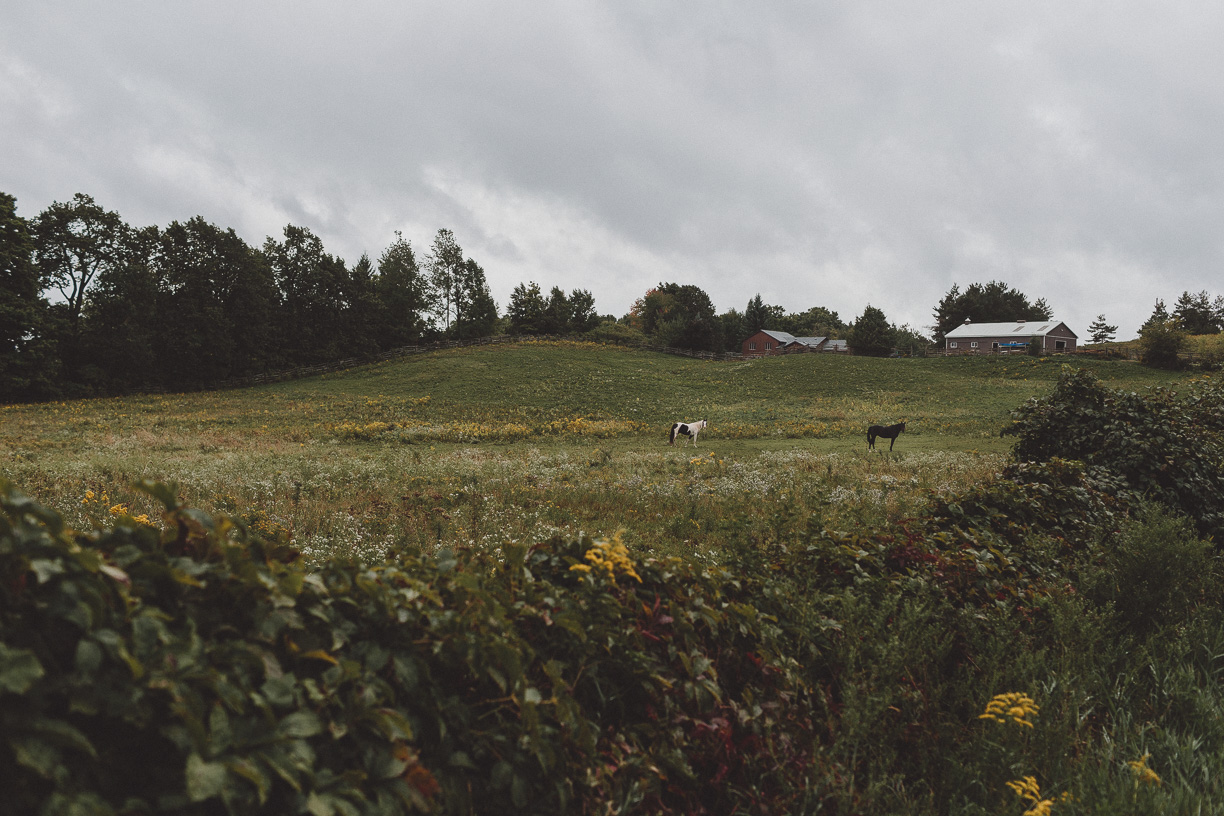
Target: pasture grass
479	446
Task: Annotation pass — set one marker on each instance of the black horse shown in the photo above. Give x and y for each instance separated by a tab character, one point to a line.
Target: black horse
889	432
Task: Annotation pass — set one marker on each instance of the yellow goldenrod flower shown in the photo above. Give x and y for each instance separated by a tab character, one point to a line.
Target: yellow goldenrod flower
1027	788
608	558
1014	706
1142	772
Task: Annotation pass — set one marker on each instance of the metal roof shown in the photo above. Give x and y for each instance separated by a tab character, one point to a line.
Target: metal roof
780	336
1032	328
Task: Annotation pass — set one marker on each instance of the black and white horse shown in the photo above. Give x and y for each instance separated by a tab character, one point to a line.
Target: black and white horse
689	429
889	432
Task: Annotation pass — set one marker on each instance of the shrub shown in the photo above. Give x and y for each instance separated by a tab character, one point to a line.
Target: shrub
1162	445
202	669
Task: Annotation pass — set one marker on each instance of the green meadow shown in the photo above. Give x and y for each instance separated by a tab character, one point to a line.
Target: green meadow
513	595
493	444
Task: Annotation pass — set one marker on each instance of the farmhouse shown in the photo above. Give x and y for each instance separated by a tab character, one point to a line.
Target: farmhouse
767	341
1001	338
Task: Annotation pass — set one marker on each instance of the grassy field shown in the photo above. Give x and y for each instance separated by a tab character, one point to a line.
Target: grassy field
483	445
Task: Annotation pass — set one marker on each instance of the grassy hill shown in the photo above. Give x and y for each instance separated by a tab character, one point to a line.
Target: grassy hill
499	442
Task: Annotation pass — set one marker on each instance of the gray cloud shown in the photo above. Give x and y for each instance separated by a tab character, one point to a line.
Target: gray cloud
821	154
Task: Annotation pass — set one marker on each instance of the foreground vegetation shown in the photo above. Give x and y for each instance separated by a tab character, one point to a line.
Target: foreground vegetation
784	624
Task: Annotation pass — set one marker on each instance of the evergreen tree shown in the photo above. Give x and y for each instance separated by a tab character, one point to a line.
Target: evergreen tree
871	334
994	302
405	297
361	310
1159	314
1102	332
756	316
1196	314
556	312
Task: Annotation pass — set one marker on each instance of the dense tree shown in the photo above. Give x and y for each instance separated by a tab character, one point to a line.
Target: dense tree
908	340
120	319
1101	331
1161	341
27	366
556	312
312	285
405	296
361	309
993	302
74	243
475	310
815	322
222	302
527	309
871	334
1197	314
731	328
681	316
583	317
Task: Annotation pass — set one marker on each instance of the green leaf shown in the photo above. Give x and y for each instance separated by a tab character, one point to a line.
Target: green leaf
19	669
299	725
204	779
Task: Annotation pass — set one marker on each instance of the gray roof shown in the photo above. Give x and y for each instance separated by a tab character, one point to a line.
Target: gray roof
1016	328
786	338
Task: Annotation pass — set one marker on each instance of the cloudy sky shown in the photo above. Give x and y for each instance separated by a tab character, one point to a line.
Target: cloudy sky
820	153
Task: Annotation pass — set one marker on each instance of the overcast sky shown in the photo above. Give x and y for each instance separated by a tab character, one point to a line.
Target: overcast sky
833	154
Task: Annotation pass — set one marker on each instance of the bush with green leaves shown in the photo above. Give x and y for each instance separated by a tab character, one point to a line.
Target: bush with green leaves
202	669
1162	445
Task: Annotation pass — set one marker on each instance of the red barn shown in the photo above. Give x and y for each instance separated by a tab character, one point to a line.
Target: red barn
767	341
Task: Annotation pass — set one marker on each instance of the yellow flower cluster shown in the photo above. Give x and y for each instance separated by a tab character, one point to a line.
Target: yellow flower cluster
608	558
1013	705
1142	772
1028	789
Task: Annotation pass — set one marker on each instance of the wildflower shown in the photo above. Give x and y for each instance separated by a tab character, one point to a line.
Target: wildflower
1028	789
1014	705
1142	772
608	558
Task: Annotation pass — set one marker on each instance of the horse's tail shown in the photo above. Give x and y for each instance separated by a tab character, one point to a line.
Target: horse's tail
672	439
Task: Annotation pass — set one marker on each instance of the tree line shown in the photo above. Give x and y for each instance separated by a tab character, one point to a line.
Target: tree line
90	305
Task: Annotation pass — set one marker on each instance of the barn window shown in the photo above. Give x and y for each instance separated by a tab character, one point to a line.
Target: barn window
973	344
752	346
952	344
